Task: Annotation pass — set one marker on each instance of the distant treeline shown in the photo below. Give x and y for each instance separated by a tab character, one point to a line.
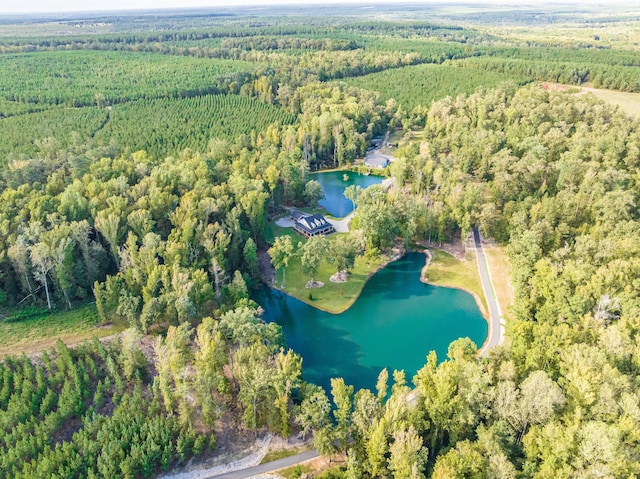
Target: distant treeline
17	44
624	78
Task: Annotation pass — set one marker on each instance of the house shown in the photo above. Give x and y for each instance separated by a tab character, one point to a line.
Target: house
376	161
310	225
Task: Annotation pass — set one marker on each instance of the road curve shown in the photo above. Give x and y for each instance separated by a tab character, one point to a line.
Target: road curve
496	322
342	225
268	467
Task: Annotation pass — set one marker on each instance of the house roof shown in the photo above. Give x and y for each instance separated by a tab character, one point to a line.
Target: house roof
377	161
313	223
296	215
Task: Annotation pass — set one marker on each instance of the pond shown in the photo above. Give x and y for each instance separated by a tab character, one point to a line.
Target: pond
394	323
333	184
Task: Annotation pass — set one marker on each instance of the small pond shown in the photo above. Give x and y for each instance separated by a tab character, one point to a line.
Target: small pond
333	184
394	323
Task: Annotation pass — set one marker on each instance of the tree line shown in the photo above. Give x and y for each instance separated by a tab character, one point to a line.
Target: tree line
614	77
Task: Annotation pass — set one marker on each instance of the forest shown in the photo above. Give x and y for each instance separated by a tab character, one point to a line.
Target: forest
140	169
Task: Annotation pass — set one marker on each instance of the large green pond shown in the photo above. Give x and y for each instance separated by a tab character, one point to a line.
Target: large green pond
333	184
395	322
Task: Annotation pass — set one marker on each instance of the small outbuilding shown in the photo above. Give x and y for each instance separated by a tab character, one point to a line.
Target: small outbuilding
310	225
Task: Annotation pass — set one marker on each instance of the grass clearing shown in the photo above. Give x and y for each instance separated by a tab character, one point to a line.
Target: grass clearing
628	102
445	270
294	472
40	332
395	137
282	453
500	269
332	297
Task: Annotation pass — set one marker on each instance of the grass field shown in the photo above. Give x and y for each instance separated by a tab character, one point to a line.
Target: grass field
40	332
445	270
332	297
500	276
628	102
395	137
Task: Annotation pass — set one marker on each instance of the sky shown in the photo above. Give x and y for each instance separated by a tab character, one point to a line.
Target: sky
45	6
37	6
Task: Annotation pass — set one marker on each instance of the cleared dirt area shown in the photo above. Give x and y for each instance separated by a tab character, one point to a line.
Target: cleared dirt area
628	102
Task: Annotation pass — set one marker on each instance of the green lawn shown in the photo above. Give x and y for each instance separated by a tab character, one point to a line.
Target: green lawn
332	297
445	270
41	331
272	230
294	472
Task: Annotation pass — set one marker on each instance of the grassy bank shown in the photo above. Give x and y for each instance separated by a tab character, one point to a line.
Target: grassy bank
500	269
445	270
283	453
332	297
41	331
295	472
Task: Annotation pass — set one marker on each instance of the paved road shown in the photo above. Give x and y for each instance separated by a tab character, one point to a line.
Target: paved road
342	225
496	322
268	467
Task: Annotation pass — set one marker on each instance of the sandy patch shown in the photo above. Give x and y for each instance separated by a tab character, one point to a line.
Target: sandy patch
204	470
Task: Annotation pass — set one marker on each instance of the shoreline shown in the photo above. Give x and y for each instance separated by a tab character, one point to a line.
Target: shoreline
424	279
352	301
350	168
399	255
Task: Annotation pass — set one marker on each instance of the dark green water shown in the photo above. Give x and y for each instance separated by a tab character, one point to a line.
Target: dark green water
333	185
395	322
